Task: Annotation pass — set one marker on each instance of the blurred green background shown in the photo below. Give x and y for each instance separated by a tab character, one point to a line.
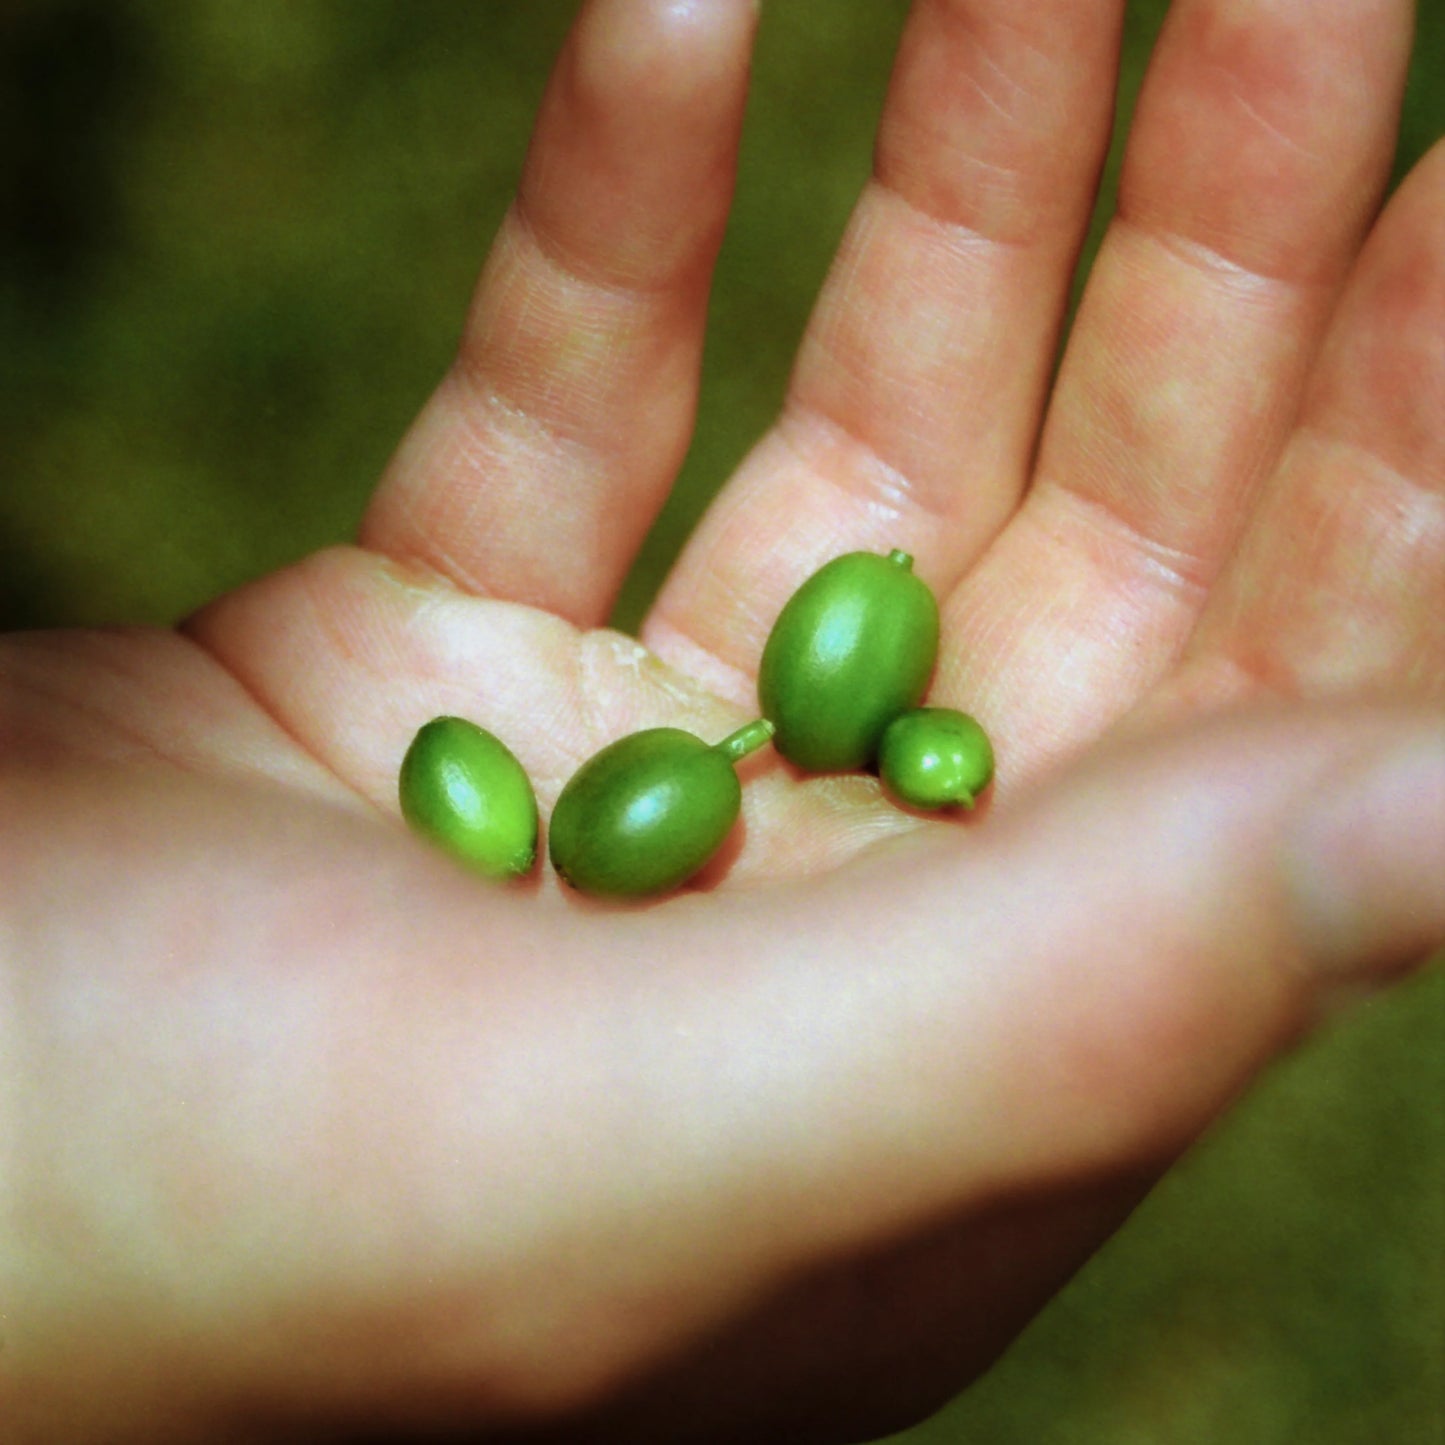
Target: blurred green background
236	240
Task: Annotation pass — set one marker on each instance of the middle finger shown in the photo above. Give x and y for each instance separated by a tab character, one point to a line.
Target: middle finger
913	410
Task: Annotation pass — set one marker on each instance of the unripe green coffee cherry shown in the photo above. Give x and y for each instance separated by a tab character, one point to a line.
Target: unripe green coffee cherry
852	648
648	811
935	757
462	788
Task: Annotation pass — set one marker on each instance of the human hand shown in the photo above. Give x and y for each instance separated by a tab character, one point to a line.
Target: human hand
307	1130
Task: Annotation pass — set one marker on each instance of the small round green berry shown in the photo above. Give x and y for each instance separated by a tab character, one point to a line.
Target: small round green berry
462	788
935	757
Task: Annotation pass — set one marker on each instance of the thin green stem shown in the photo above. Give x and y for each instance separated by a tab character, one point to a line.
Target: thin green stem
901	559
748	739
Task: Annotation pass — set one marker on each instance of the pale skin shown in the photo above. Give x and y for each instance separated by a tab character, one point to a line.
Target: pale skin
303	1129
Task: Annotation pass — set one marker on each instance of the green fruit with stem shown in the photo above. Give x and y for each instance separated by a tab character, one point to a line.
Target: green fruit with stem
647	812
462	788
852	648
935	757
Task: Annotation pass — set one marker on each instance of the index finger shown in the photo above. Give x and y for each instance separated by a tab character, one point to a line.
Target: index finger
914	406
541	459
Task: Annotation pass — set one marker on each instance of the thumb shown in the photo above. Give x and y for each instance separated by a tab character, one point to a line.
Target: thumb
1079	986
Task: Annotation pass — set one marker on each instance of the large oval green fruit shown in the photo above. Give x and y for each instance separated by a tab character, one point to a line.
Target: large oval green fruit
648	811
853	647
461	787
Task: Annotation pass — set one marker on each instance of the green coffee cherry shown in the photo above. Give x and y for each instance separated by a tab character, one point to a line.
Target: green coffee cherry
935	757
649	810
853	647
462	788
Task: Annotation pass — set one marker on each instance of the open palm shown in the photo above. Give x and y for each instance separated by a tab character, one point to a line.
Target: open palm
404	1150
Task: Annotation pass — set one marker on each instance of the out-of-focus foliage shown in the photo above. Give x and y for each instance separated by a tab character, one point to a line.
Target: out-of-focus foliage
236	241
235	244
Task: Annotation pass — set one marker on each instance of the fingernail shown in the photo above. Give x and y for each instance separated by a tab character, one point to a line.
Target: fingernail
1366	865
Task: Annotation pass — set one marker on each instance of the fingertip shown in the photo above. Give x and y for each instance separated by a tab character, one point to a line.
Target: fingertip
631	171
672	46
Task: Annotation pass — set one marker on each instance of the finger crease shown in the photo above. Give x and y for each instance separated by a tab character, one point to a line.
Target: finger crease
1214	264
1417	493
492	410
865	474
568	263
272	713
957	233
1183	573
